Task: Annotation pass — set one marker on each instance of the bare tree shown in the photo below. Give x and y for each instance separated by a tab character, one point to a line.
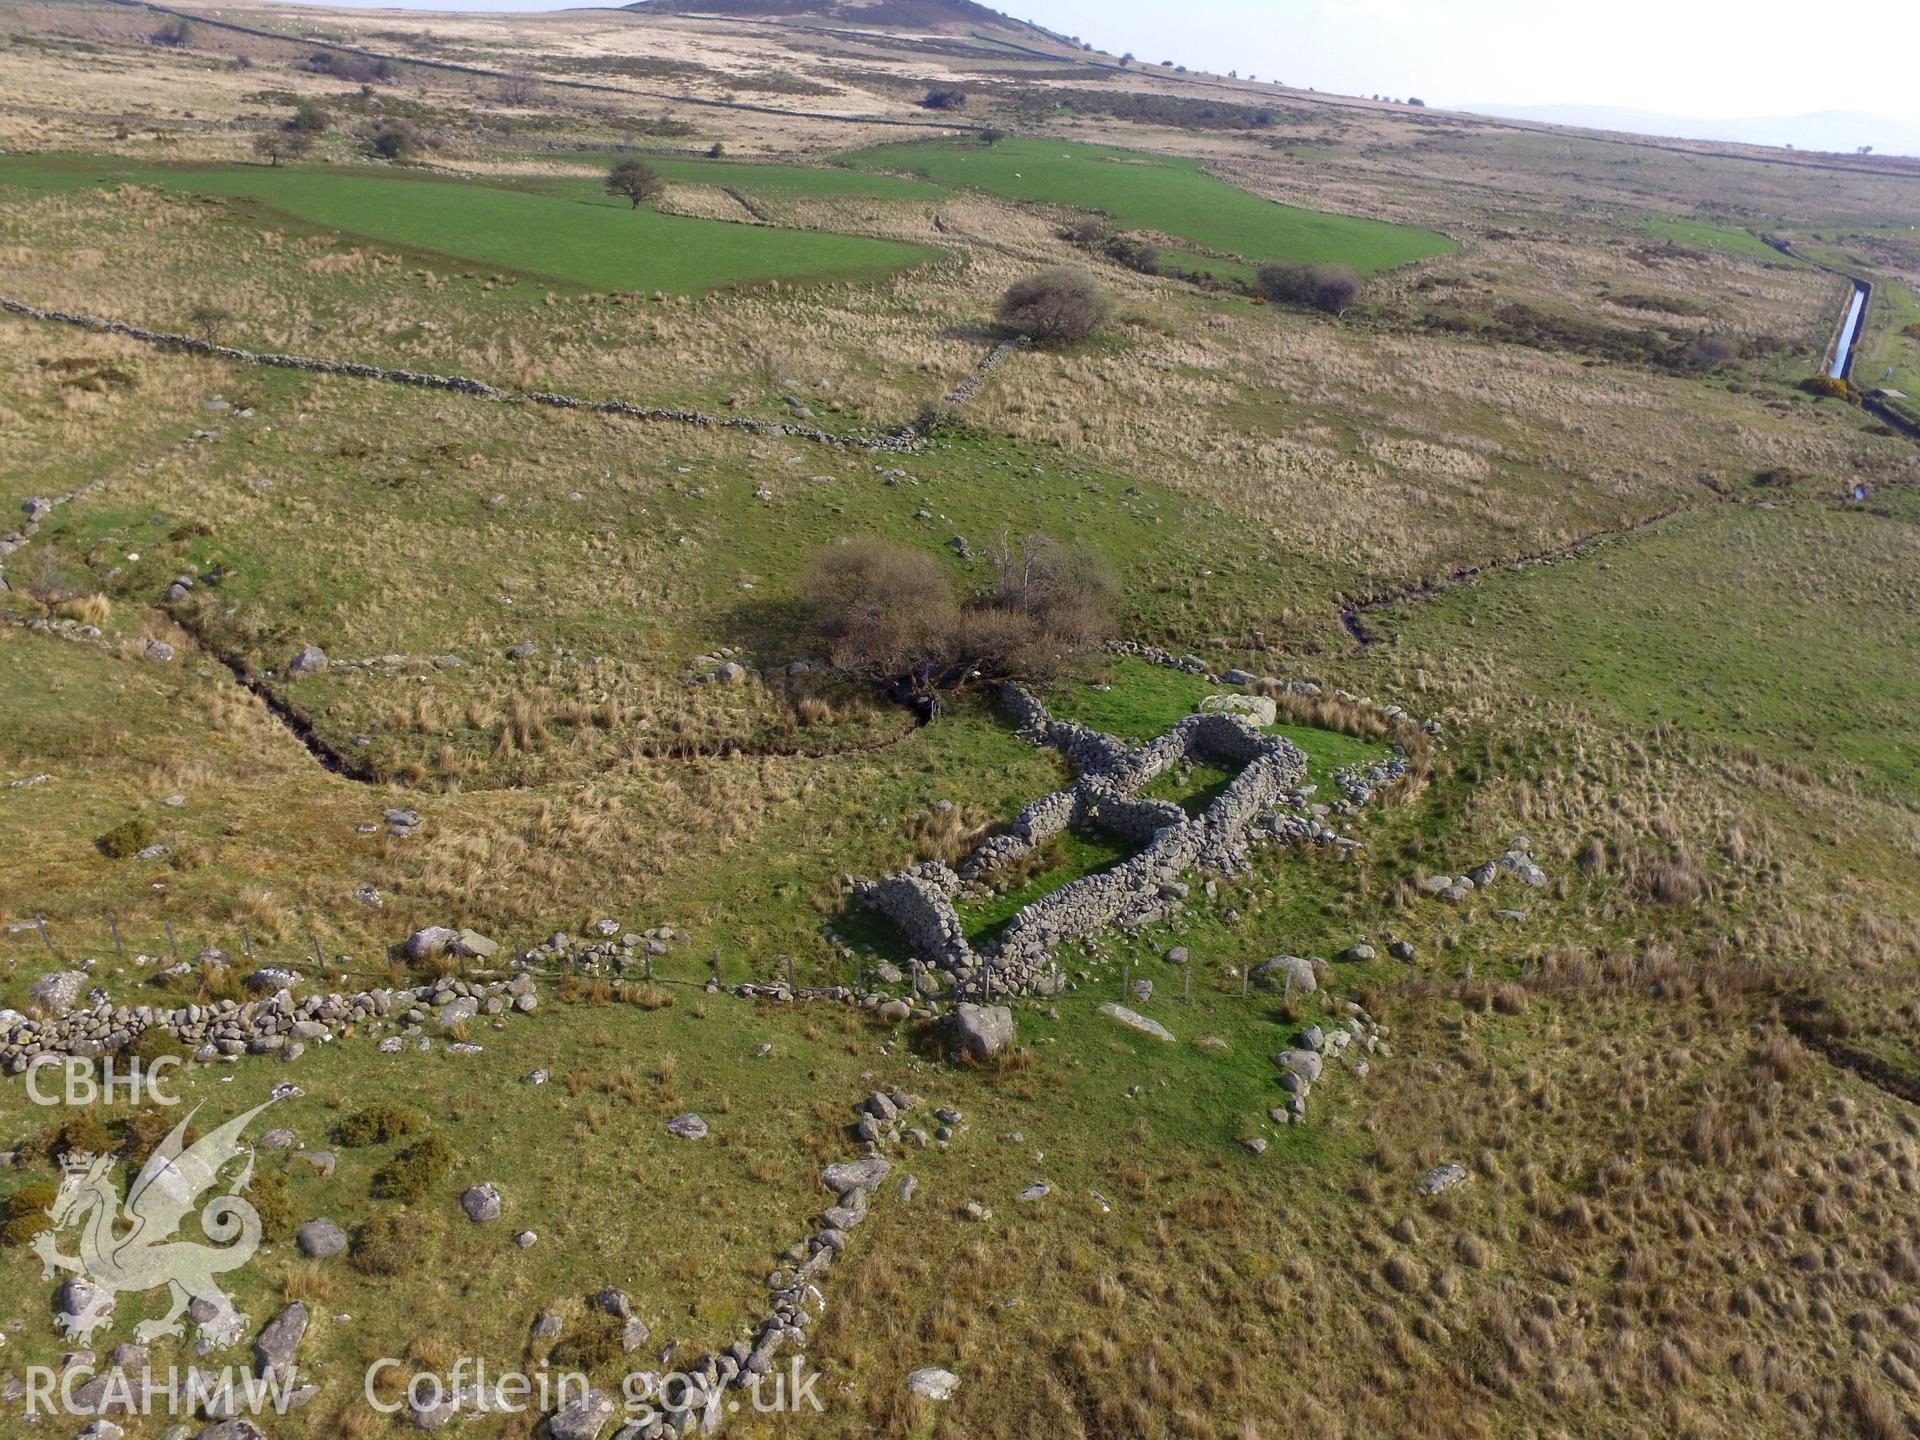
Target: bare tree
887	612
48	578
521	90
1066	594
635	180
1055	307
277	145
209	319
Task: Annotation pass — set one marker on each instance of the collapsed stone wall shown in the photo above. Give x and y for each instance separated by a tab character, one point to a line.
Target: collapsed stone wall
279	1023
920	899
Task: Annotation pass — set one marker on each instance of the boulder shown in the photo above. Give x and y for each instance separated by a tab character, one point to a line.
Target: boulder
311	660
1260	709
271	978
687	1127
933	1383
274	1349
864	1174
1134	1020
430	942
474	945
1441	1177
983	1031
1292	972
321	1239
1304	1063
59	992
482	1203
582	1419
80	1307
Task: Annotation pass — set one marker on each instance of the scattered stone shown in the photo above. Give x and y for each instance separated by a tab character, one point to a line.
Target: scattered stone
933	1383
1441	1177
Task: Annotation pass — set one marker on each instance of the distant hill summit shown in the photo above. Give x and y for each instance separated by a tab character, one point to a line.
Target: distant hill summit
935	15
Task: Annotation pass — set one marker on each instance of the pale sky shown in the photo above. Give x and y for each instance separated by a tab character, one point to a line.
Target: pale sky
1716	58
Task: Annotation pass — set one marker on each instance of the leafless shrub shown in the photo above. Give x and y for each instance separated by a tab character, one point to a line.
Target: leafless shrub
1055	307
1328	288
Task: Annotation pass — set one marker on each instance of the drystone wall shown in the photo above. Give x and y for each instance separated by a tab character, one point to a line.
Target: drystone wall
920	900
459	384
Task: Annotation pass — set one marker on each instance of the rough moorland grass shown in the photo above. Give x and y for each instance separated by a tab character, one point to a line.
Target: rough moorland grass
599	246
1160	192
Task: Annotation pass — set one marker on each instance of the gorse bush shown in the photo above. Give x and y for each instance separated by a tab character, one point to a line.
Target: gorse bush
26	1213
127	838
272	1200
378	1124
388	1244
415	1170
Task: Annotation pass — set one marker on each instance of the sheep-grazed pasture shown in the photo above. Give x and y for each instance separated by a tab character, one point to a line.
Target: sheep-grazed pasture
1167	193
602	246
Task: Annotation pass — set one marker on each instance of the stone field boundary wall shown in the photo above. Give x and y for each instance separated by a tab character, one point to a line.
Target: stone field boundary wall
920	899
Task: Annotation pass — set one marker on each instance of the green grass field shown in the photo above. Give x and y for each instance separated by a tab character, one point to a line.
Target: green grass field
1699	235
1141	700
1791	630
602	245
1891	344
1159	192
812	182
